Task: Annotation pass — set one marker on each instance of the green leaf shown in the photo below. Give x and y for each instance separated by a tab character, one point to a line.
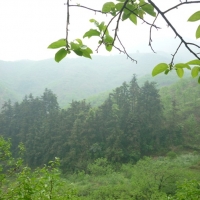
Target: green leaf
148	8
141	13
199	80
133	18
180	72
79	41
87	55
87	52
75	46
132	7
198	32
167	71
195	71
119	6
194	17
125	15
91	32
142	2
109	47
95	22
60	54
127	12
108	42
194	62
101	26
108	39
57	44
83	47
78	52
113	12
182	65
159	68
107	7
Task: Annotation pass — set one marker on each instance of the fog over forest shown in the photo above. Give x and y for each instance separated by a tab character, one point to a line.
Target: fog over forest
99	100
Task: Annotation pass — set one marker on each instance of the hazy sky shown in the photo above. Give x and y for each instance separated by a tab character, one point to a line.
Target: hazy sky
27	27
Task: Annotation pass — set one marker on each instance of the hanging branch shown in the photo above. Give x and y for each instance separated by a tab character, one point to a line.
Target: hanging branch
118	20
193	44
152	25
85	7
109	23
174	30
125	52
67	26
180	4
173	56
150	34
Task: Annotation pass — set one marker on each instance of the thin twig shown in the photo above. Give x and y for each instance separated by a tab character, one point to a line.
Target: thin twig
67	26
173	56
150	34
172	27
119	17
102	37
180	4
125	52
143	19
193	44
91	9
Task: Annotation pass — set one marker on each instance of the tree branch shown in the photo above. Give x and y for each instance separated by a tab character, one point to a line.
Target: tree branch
172	27
67	26
105	31
180	4
143	19
150	34
94	10
119	17
173	56
125	52
193	44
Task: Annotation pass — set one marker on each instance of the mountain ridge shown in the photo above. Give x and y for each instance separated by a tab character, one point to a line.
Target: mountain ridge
73	78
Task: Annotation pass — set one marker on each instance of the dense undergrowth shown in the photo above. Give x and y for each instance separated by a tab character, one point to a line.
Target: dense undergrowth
174	177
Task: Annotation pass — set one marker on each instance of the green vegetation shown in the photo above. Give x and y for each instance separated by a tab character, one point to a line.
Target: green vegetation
151	178
132	10
140	143
20	182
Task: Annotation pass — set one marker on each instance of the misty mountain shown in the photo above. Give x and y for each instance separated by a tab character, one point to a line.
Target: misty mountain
73	78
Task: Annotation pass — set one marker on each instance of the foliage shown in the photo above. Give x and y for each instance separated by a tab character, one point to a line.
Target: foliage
188	190
149	178
103	148
133	121
122	10
124	128
20	182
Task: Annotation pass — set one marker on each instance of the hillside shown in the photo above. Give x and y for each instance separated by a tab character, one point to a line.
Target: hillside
140	143
72	79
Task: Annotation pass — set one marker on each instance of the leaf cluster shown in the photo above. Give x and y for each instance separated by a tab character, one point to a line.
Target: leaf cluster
76	46
179	67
